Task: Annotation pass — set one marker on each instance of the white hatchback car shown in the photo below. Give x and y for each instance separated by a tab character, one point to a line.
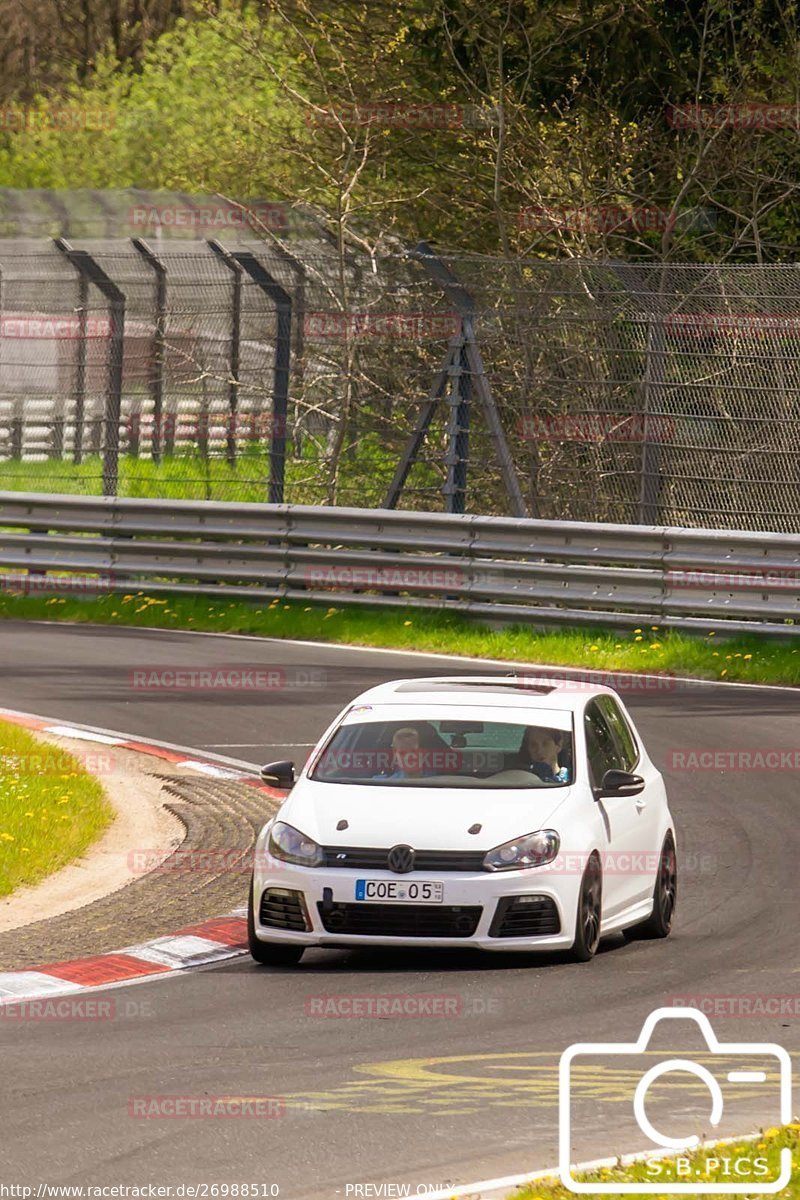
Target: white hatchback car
499	812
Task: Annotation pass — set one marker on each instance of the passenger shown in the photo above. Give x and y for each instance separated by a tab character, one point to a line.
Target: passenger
539	753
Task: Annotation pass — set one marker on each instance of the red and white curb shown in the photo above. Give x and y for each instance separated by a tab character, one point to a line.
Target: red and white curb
193	946
208	942
179	757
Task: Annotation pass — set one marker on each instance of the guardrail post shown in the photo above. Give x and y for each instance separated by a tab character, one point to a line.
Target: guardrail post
157	381
236	338
93	273
283	354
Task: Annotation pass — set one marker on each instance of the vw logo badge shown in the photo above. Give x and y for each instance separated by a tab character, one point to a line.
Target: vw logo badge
400	859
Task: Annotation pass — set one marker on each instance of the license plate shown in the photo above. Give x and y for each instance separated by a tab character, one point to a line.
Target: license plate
395	892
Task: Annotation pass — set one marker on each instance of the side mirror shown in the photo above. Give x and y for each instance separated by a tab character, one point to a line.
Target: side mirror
620	783
278	774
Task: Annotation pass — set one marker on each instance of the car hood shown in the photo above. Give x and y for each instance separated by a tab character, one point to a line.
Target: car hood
425	818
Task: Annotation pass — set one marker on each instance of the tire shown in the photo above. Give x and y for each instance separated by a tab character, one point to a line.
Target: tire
587	921
269	954
665	895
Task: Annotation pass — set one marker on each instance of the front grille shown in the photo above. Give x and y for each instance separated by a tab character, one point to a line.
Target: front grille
518	916
401	920
282	909
368	859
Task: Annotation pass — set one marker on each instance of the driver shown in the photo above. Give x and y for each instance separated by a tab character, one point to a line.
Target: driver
407	756
539	753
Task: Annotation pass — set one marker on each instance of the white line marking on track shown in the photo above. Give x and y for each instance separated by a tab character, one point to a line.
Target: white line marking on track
83	735
509	664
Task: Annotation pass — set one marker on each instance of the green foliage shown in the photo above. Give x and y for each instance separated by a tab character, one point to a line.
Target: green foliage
556	103
51	810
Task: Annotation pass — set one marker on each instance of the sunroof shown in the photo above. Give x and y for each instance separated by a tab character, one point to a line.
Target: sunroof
473	685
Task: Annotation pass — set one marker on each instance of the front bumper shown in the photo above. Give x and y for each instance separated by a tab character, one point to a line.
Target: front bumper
324	891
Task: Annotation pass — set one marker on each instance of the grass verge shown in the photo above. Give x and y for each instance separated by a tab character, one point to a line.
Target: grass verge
641	649
51	810
747	1161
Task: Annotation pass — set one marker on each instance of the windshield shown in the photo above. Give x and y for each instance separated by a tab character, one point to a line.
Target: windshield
447	753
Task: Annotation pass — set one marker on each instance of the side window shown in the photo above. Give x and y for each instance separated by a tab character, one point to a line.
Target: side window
601	745
619	727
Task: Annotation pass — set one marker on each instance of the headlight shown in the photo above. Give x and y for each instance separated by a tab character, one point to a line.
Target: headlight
290	845
530	850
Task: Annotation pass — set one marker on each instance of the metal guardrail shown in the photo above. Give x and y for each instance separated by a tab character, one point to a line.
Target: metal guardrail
497	568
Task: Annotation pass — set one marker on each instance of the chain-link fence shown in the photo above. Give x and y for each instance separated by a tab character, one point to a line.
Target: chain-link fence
279	368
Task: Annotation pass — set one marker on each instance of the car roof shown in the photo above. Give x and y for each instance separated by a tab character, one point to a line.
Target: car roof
513	690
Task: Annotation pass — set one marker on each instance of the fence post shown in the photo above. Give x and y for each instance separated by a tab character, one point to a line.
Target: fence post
159	332
80	381
283	354
651	451
93	273
236	338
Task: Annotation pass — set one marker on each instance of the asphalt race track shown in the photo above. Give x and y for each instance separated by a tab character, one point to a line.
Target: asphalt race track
412	1102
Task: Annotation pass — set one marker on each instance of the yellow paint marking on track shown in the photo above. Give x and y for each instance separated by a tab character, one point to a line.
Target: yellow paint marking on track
452	1084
